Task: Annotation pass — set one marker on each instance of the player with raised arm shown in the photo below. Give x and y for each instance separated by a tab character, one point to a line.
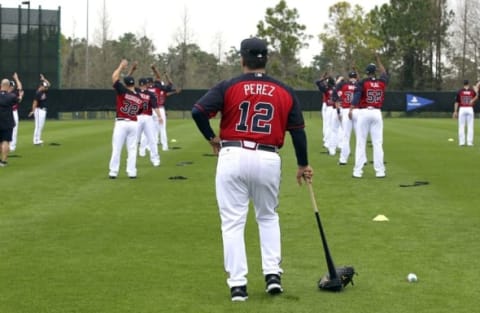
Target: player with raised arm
146	123
7	123
326	85
343	96
39	109
128	104
19	92
369	98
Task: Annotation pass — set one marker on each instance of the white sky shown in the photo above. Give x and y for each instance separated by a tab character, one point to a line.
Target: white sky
208	20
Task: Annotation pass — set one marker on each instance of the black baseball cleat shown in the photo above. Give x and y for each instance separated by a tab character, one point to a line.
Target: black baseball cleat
342	163
112	177
3	163
132	177
239	293
274	284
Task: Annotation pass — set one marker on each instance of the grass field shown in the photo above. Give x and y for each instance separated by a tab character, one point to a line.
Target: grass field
71	240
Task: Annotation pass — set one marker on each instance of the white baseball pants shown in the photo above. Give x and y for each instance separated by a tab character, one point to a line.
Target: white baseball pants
244	174
369	122
146	135
465	119
13	143
124	132
40	115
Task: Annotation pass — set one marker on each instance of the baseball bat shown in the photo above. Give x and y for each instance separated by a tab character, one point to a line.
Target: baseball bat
328	257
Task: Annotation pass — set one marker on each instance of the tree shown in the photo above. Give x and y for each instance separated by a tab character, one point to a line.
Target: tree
413	34
285	37
348	40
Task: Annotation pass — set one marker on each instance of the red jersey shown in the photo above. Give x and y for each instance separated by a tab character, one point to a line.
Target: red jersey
149	102
160	92
372	92
254	107
327	91
464	96
345	92
128	103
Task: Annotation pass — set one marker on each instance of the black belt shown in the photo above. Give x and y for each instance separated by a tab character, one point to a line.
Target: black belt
371	108
249	145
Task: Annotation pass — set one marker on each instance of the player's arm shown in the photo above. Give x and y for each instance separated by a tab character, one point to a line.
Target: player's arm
167	77
381	68
156	72
116	73
174	92
202	120
133	68
34	106
475	88
299	140
19	86
455	109
44	79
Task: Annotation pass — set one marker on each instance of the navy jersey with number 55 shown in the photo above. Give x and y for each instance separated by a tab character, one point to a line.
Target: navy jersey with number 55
254	107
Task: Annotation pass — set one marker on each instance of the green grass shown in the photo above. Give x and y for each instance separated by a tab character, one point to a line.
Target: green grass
71	240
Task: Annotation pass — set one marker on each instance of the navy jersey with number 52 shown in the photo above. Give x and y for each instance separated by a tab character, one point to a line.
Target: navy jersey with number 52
254	107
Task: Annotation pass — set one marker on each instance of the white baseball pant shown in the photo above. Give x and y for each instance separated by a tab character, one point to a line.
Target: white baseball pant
40	115
244	174
124	132
347	125
13	143
161	128
146	133
369	122
465	119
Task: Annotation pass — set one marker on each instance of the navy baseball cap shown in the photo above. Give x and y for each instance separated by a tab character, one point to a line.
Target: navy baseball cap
466	82
149	80
331	81
142	81
352	74
12	83
253	48
129	80
371	68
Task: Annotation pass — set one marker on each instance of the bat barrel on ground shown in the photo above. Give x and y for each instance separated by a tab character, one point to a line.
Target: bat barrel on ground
331	266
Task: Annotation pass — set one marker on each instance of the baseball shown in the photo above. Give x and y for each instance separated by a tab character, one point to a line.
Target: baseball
173	140
450	139
411	278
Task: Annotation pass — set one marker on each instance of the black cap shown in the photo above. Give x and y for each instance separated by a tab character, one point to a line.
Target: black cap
149	80
129	80
142	81
331	81
466	82
352	74
12	83
371	68
253	48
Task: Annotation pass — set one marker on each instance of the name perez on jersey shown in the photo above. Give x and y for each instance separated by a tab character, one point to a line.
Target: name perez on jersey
259	89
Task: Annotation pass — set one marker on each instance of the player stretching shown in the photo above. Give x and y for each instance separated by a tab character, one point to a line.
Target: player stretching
128	103
19	92
369	99
39	109
343	95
